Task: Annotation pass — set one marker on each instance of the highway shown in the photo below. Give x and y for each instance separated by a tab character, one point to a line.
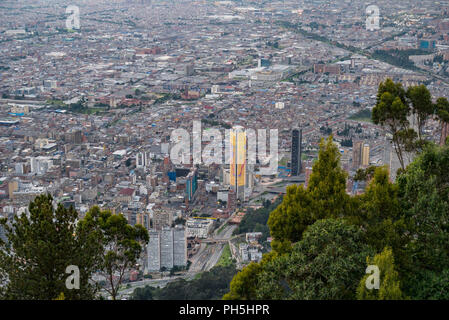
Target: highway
210	251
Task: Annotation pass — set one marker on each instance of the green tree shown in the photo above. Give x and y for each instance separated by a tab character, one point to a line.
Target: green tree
145	293
442	110
211	285
389	284
364	174
326	264
324	197
422	106
256	220
408	139
40	247
391	112
379	214
431	285
244	284
122	243
289	220
423	194
327	183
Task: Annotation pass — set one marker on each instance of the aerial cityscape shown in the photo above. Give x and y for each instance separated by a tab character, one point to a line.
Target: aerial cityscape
174	149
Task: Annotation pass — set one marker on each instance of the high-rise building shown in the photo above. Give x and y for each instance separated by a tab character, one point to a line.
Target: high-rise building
238	161
143	219
365	155
153	250
142	160
179	246
231	201
161	218
191	184
357	151
19	168
189	69
296	152
167	248
13	186
74	135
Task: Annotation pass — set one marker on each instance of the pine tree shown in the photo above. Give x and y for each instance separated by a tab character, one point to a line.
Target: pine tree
290	219
380	215
324	197
38	250
327	184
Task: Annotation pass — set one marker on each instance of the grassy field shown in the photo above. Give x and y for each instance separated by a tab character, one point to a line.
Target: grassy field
226	257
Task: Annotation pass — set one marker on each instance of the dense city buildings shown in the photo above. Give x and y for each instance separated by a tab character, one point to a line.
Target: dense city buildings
96	115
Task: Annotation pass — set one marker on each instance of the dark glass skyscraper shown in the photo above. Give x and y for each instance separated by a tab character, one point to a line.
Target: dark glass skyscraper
296	152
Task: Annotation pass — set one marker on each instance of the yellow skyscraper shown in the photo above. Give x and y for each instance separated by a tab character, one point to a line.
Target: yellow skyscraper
238	160
365	155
